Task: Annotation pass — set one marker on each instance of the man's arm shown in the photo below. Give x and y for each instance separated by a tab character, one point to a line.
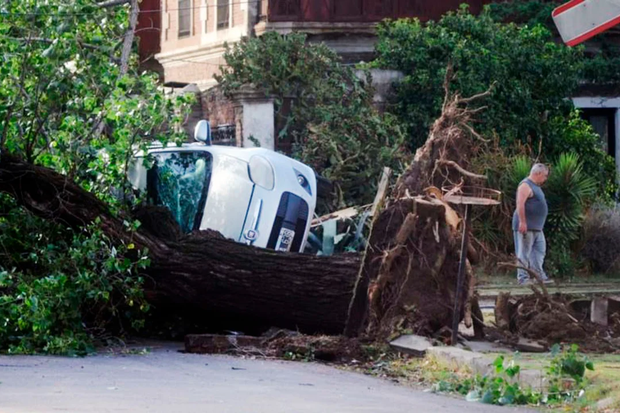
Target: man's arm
523	193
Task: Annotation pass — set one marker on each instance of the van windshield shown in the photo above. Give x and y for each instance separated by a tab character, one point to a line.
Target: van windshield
180	182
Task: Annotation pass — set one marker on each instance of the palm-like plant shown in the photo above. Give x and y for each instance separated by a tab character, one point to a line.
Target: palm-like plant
568	193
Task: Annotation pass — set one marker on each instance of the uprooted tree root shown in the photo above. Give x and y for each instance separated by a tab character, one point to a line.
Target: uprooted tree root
411	265
555	319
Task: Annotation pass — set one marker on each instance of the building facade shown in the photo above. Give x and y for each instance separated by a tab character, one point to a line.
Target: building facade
194	32
184	40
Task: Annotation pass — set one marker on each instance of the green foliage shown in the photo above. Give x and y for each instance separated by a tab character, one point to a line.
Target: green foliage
565	376
575	135
61	288
599	64
324	111
568	192
66	104
502	387
530	12
532	74
566	373
602	68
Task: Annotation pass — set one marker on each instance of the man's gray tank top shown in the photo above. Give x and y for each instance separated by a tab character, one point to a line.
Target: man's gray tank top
536	209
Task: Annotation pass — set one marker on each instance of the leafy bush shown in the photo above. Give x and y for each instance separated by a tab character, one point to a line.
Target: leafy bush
530	12
532	76
332	124
600	242
59	289
568	192
66	104
599	64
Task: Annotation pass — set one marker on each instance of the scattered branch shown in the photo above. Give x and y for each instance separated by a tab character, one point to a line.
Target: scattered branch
461	169
530	272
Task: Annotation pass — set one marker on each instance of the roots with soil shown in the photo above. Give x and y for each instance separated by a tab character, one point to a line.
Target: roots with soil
555	319
411	265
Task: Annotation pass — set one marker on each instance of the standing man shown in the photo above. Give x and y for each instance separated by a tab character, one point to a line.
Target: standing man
528	222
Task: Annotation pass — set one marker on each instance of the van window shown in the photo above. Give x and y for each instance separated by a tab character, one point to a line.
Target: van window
180	182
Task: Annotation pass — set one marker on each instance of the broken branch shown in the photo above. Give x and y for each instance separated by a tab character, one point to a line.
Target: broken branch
461	169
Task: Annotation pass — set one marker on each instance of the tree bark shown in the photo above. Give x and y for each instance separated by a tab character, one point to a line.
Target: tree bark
215	276
409	275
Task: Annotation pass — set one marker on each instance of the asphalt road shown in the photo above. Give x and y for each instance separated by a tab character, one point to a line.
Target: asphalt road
165	380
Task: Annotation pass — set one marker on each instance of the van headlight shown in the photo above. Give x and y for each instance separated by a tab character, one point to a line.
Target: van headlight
261	172
303	181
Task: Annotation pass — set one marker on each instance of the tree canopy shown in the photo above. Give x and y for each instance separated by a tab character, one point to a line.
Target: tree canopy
533	78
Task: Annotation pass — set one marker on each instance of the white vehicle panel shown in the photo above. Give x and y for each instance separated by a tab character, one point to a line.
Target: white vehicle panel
229	195
242	210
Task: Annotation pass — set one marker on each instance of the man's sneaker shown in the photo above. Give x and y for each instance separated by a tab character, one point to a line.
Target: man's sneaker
526	281
548	281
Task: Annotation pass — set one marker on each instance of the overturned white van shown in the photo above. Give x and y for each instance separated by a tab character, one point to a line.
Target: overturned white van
254	196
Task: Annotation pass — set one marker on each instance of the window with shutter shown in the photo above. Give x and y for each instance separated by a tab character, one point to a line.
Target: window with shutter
185	18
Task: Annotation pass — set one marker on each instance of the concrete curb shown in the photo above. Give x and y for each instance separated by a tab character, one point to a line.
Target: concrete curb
482	364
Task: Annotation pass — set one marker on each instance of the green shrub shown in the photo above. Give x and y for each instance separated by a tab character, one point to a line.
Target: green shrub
532	74
600	242
332	124
60	289
568	191
66	105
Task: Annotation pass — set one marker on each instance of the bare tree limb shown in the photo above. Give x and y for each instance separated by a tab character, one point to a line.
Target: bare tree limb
479	95
125	55
530	272
129	36
461	169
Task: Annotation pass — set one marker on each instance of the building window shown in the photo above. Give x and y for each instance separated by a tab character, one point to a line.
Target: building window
223	14
185	18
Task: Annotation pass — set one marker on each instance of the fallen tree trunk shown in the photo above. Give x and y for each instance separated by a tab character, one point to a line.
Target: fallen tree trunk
210	274
408	278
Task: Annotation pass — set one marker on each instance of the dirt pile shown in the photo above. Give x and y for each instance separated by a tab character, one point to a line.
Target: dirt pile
410	268
555	319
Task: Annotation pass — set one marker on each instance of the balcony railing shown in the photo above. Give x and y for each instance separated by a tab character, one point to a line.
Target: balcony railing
363	10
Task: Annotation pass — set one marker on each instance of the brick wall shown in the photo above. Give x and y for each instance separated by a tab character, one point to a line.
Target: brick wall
218	109
238	14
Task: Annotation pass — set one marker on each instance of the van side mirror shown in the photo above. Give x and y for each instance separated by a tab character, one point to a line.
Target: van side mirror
202	132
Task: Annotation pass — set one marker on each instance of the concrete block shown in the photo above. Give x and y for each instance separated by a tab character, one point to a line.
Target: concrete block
215	343
458	358
614	305
412	344
486	347
532	378
530	346
482	364
598	310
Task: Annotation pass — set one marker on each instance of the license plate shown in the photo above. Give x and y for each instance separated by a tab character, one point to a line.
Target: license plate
285	240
